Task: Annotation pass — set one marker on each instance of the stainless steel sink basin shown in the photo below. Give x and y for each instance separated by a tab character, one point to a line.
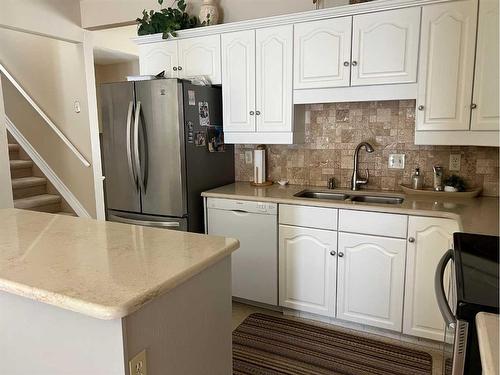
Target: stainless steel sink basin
322	195
377	199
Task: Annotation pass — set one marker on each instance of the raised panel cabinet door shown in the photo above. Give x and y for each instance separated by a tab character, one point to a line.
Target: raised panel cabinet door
385	47
307	269
201	57
446	67
155	58
429	238
370	282
274	83
486	98
238	81
322	53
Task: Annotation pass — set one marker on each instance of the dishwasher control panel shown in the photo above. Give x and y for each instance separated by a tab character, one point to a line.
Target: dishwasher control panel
266	208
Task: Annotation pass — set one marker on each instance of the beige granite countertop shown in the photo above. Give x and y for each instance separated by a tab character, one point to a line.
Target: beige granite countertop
101	269
488	326
475	215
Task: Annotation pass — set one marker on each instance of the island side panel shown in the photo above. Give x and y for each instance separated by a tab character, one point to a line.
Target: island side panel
37	338
187	330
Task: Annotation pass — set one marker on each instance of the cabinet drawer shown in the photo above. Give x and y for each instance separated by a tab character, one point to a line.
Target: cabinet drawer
307	216
390	225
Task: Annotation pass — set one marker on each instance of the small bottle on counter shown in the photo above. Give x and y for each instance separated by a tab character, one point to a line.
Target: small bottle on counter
438	178
417	180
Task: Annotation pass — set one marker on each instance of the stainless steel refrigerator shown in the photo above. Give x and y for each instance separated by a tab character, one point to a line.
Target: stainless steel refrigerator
161	148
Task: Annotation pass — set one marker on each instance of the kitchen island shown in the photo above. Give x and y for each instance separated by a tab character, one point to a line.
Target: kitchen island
80	296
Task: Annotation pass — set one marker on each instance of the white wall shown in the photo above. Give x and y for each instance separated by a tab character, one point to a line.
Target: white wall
5	185
102	13
55	18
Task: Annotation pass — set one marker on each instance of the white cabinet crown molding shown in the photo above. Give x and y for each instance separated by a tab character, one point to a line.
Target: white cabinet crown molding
313	15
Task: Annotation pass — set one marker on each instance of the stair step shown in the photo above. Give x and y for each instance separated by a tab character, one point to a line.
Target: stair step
20	164
43	202
13	147
28	187
26	182
66	213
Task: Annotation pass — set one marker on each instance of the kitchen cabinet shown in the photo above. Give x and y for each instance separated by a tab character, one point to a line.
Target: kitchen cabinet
446	68
257	87
370	284
183	58
322	56
307	269
381	49
485	112
385	47
428	239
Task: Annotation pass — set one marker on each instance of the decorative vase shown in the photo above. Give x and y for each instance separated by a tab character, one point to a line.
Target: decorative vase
209	12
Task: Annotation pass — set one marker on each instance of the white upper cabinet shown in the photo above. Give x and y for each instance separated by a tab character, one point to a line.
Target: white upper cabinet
274	58
385	47
446	68
200	56
370	284
428	240
238	81
485	115
158	57
183	58
307	271
322	53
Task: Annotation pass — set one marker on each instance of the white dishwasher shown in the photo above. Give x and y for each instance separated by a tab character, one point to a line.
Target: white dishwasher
255	263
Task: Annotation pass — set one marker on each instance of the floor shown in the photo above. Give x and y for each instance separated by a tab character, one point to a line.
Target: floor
242	311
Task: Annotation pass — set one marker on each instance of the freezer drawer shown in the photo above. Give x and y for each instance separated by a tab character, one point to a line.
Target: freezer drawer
173	223
255	263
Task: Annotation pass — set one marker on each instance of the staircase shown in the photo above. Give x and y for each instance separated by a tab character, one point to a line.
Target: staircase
30	188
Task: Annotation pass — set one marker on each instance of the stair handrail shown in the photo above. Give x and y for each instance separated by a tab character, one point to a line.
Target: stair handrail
43	115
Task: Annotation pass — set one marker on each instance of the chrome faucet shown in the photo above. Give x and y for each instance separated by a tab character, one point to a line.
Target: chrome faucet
356	180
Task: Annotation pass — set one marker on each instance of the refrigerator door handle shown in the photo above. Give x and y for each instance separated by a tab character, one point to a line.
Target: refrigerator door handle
129	145
136	146
159	224
446	312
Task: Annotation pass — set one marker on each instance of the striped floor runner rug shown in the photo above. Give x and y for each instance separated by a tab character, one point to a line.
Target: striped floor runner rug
267	345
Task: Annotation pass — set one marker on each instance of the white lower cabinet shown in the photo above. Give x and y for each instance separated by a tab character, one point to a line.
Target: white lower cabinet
307	271
428	239
370	280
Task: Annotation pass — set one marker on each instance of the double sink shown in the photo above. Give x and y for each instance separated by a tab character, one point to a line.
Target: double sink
355	197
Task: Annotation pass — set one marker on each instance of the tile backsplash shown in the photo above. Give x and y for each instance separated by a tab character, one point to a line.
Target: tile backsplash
334	130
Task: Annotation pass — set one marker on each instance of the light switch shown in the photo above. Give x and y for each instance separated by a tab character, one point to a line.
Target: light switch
396	161
248	157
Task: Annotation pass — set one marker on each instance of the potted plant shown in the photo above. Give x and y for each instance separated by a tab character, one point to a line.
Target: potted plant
454	183
167	20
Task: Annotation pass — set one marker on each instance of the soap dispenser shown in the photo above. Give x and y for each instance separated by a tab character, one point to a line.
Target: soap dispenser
417	180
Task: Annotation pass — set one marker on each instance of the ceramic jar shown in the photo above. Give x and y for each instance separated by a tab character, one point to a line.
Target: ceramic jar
209	7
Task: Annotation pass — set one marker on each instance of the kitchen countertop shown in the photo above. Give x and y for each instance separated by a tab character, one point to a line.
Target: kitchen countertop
101	269
488	326
474	215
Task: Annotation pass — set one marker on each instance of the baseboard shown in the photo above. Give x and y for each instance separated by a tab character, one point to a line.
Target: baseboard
47	170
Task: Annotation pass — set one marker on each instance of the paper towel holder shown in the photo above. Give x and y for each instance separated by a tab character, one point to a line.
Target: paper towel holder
260	167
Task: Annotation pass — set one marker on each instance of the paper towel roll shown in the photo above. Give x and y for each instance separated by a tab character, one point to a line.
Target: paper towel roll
259	165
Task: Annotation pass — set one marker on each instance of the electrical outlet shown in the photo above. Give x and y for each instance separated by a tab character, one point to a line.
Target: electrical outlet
248	157
455	162
397	161
138	365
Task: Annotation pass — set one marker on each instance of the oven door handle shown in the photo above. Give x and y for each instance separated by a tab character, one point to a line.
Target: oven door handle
445	309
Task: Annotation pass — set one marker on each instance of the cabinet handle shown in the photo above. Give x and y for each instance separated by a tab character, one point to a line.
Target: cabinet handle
174	68
332	253
180	67
420	107
473	106
252	113
354	63
411	239
341	255
346	63
257	113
